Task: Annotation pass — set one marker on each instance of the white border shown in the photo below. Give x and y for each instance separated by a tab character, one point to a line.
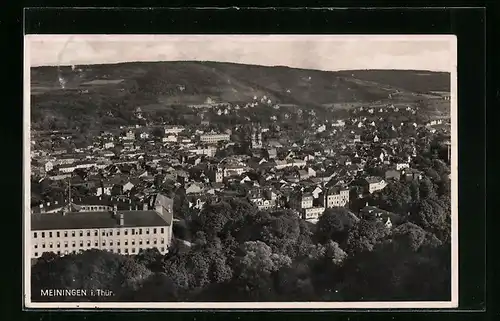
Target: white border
240	305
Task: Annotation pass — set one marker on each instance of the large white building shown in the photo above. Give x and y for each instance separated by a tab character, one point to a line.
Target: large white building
336	197
213	138
173	130
208	150
123	232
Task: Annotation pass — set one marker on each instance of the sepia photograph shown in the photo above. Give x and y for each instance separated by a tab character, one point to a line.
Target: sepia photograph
240	171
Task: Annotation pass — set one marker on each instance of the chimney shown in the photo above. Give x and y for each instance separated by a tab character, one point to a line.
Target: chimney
145	206
121	219
130	208
115	210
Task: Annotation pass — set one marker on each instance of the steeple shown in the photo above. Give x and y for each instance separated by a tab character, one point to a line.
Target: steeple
256	137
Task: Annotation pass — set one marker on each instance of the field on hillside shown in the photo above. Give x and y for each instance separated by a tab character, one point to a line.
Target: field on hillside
69	97
410	80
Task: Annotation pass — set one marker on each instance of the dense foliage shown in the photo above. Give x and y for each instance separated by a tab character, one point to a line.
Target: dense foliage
239	253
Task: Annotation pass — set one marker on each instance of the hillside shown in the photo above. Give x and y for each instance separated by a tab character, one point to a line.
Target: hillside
67	96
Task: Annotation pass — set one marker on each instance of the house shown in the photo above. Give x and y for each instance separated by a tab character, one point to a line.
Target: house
317	192
263	203
373	184
173	130
172	138
194	188
400	166
216	174
303	174
321	129
66	168
272	153
208	151
392	174
344	160
130	135
409	174
234	169
105	188
312	213
388	218
45	166
335	196
128	186
301	200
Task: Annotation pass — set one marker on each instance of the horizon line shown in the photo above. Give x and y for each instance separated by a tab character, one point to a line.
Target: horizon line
225	62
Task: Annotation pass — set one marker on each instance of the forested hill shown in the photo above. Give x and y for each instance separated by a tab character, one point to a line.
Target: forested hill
93	91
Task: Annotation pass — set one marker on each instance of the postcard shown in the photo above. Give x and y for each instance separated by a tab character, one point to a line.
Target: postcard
240	171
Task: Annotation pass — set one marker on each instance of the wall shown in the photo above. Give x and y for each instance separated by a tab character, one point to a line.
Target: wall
103	235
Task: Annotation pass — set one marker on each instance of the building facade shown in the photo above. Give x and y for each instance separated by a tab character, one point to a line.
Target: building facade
122	232
336	197
214	138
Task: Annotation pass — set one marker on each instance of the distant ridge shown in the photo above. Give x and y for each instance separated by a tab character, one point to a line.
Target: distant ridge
66	65
122	87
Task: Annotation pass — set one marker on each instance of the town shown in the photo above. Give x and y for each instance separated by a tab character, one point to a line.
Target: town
156	176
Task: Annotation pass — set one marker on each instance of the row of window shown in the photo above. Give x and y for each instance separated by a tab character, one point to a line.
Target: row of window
119	251
96	233
337	196
95	208
96	243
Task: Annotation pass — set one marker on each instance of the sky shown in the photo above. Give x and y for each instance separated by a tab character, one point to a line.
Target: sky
322	52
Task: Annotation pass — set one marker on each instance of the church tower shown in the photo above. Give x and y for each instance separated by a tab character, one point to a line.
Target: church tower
256	138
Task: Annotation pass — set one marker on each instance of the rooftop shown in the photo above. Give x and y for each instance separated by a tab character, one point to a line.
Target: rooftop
90	220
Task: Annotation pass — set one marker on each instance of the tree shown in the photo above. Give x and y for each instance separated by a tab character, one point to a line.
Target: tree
430	214
392	272
280	231
334	253
159	287
91	270
133	273
365	235
214	217
395	197
150	258
198	267
259	259
415	191
409	235
219	271
255	270
426	189
175	267
334	225
294	283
